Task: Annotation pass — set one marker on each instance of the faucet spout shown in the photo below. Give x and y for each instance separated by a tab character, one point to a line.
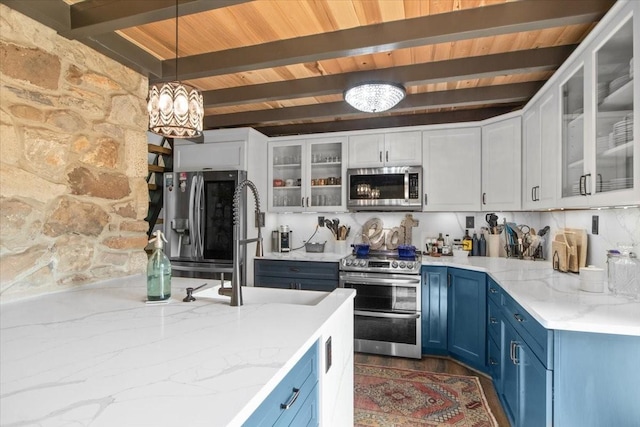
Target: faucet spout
236	275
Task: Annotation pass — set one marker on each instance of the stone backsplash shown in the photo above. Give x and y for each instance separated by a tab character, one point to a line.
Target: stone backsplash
73	162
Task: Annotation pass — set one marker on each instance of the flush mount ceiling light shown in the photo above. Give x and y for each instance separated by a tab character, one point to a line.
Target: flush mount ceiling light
373	97
175	109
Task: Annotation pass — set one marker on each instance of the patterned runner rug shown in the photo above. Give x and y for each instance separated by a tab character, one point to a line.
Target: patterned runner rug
391	397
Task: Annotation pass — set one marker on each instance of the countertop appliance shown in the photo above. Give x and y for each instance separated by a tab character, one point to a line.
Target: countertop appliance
387	303
397	188
281	239
198	222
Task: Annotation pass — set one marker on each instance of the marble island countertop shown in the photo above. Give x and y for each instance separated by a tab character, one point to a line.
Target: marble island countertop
100	356
554	298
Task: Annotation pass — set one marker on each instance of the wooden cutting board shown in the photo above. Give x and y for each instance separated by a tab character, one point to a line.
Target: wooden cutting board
560	252
577	239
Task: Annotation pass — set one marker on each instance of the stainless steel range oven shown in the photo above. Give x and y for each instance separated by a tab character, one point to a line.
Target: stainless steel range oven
387	303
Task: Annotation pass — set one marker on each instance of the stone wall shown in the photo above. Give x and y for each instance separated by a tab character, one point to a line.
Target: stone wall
73	162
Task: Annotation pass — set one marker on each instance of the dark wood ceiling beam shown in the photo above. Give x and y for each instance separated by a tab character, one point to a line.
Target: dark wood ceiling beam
92	17
465	24
524	61
500	94
126	53
458	116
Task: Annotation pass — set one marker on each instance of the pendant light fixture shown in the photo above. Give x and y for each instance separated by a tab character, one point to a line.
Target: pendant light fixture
374	97
175	109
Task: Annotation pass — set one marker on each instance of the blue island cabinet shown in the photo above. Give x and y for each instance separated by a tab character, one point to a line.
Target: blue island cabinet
466	317
294	402
434	310
520	360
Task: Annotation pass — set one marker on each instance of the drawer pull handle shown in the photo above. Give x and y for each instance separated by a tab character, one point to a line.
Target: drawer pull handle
518	317
292	400
493	320
493	290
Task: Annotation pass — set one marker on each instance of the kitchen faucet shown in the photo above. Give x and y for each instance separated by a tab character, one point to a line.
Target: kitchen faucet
236	277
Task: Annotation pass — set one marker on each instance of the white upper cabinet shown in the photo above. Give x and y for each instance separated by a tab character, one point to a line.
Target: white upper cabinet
541	137
389	149
222	149
600	163
451	165
307	175
501	165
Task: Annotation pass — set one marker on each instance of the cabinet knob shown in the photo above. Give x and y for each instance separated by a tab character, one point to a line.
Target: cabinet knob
493	290
493	320
492	361
518	317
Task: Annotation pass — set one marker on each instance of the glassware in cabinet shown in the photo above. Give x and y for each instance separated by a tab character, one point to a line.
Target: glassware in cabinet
614	112
326	175
287	176
573	134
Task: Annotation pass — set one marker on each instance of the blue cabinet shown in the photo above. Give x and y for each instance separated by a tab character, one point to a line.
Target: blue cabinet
434	310
520	360
596	380
305	275
295	400
466	320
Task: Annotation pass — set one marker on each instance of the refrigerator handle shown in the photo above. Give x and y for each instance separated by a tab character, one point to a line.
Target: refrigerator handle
200	212
192	208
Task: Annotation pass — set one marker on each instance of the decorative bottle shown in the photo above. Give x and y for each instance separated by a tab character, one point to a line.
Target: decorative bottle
158	270
440	243
475	251
467	243
483	245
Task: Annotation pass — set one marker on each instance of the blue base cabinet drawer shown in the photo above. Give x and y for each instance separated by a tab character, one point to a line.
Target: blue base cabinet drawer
539	339
305	275
296	392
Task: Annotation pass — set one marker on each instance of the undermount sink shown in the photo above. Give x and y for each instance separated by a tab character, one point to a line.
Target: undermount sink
252	296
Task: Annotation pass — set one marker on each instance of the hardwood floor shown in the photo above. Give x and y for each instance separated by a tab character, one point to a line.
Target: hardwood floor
440	365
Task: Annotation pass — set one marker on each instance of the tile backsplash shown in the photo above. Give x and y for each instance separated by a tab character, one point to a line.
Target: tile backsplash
615	225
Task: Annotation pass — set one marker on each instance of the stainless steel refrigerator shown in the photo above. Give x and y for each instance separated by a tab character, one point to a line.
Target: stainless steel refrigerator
198	222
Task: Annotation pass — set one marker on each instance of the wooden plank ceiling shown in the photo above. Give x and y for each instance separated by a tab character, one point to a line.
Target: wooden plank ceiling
281	66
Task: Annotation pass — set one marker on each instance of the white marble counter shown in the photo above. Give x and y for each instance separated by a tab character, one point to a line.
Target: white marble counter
554	298
100	356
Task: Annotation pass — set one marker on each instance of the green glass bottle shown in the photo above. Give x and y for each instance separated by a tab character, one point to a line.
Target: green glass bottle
158	271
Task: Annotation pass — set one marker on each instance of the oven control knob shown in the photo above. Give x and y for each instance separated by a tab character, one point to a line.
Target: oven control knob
348	262
402	264
363	263
394	264
409	265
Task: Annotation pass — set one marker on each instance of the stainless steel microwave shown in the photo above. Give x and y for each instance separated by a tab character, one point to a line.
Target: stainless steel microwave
390	188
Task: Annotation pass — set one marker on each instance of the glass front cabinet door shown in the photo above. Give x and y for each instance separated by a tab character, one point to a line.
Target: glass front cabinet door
600	158
307	175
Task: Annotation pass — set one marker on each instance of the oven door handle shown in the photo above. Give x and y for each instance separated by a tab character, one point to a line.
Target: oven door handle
387	315
380	281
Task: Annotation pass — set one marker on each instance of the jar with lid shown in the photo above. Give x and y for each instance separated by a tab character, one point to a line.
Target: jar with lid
623	271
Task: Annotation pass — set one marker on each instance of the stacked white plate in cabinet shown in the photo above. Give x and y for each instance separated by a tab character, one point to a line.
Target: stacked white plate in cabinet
623	131
603	91
618	83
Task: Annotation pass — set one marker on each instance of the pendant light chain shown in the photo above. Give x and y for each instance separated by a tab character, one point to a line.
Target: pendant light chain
177	18
175	109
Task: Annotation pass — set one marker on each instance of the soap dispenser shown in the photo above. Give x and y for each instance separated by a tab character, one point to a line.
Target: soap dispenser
158	270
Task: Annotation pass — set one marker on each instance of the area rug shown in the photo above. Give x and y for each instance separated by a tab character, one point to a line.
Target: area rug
391	397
